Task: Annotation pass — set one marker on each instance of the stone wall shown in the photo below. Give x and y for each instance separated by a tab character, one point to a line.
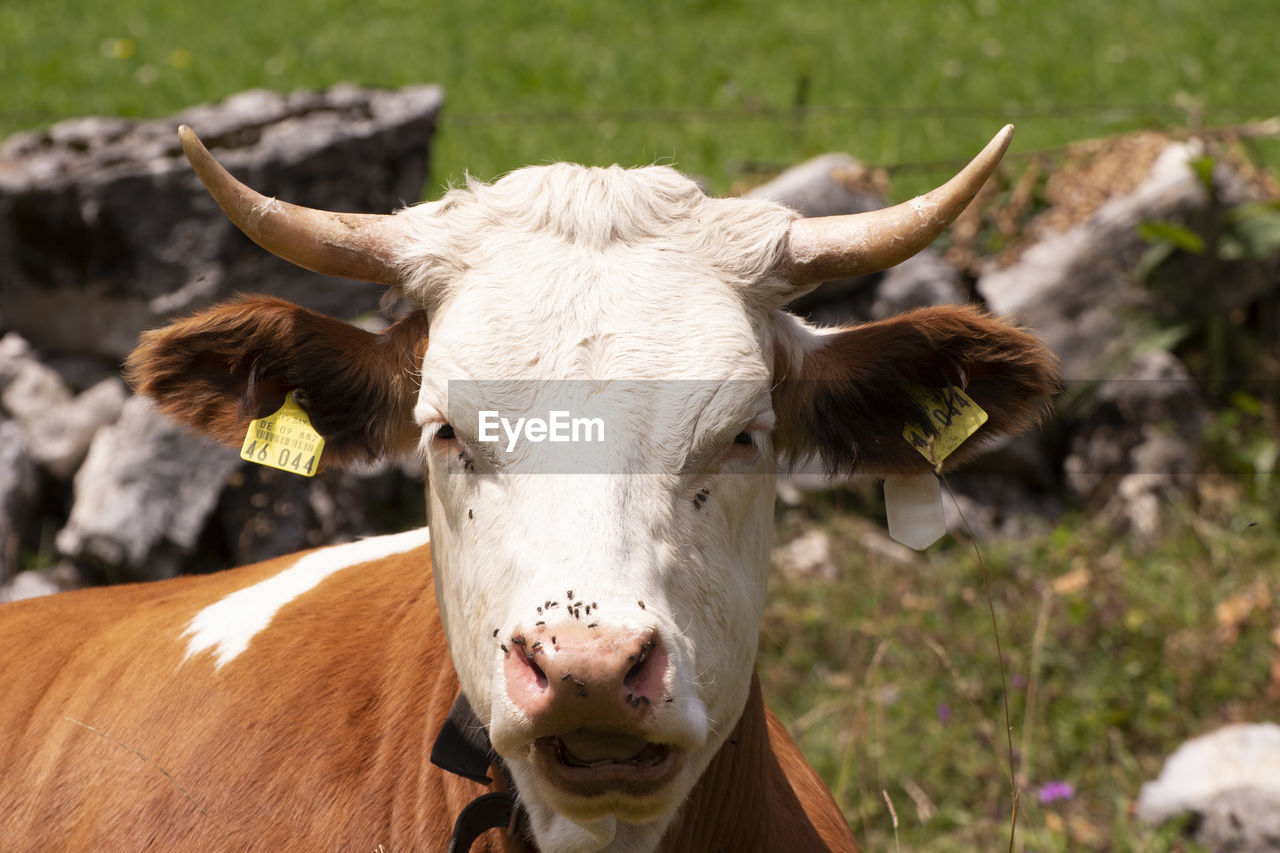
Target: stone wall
104	232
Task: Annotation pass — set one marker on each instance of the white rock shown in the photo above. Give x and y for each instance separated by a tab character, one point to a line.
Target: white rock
1244	756
28	585
58	425
806	556
143	495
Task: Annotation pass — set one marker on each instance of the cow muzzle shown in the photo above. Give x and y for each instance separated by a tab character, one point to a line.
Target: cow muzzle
594	700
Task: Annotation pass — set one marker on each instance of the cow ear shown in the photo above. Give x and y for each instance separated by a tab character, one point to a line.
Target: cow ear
843	396
219	369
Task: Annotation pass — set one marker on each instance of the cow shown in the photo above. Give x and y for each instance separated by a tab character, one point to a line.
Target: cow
566	661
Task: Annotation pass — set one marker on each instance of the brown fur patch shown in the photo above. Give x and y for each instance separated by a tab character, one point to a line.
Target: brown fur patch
219	369
846	405
315	738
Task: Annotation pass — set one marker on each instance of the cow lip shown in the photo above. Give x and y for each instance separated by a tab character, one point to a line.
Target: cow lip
590	764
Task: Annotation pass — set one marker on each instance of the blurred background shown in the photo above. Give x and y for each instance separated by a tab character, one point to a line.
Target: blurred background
1127	553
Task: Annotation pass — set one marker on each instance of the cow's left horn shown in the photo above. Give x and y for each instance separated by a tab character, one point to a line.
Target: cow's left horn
351	245
831	247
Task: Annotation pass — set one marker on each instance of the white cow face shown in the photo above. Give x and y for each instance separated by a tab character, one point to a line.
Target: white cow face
648	538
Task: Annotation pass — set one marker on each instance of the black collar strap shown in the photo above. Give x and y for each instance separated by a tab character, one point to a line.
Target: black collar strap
463	747
485	812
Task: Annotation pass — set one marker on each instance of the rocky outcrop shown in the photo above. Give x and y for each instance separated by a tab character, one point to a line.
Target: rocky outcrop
1080	289
18	489
58	425
143	496
105	231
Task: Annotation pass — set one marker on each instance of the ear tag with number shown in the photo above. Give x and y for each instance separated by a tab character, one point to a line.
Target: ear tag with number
914	504
954	417
285	440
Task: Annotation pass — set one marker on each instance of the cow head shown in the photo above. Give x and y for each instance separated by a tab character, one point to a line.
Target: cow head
601	601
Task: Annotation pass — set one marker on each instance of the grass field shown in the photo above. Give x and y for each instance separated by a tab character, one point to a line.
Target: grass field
717	88
889	677
1114	654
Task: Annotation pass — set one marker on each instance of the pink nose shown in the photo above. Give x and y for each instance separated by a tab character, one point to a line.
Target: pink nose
572	677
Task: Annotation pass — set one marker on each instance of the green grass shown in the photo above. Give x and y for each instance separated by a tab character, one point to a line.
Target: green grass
1113	656
708	86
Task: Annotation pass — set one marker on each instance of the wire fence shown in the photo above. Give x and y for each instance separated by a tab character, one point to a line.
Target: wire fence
800	113
1166	114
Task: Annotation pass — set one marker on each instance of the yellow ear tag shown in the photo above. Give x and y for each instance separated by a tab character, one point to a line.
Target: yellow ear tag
954	417
913	505
284	440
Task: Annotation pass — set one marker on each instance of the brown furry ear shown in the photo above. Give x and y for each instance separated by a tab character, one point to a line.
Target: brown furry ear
219	369
847	401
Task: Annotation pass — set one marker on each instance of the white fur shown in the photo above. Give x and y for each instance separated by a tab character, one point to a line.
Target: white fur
795	340
230	624
661	301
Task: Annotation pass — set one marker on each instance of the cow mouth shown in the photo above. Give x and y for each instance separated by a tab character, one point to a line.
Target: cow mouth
589	764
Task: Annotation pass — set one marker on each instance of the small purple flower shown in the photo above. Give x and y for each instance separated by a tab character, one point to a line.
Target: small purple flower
944	712
1052	792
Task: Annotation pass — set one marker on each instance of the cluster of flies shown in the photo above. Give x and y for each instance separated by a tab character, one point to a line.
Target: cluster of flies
578	608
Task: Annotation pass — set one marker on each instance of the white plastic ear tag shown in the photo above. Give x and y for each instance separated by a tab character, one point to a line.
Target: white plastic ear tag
285	440
914	509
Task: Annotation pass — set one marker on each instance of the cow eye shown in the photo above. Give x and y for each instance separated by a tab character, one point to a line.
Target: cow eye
743	437
445	433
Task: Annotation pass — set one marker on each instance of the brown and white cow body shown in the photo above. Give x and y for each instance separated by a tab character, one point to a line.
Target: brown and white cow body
602	621
292	705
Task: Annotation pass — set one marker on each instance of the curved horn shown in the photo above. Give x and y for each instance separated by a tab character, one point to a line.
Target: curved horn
351	245
831	247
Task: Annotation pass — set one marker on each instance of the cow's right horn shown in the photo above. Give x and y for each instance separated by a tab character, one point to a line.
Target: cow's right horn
831	247
351	245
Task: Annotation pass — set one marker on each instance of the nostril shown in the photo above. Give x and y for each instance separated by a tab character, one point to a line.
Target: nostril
648	665
538	674
633	674
521	665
